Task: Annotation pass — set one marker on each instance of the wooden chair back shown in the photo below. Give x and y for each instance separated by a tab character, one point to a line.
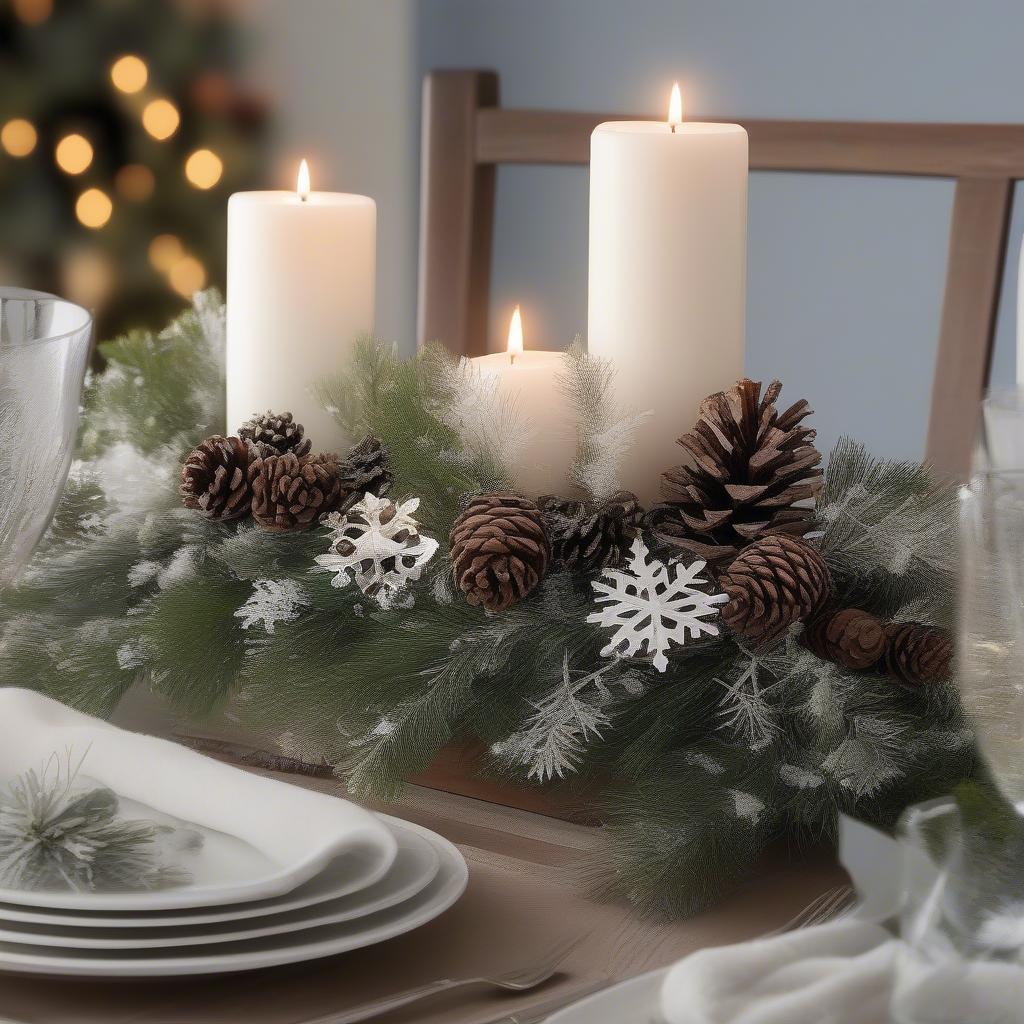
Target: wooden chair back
466	135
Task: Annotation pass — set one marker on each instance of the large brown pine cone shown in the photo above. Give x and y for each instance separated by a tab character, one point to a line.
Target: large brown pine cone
500	550
848	636
916	654
291	493
366	470
774	582
588	536
215	478
276	432
752	473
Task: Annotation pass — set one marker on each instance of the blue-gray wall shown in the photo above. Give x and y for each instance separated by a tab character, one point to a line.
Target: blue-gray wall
845	274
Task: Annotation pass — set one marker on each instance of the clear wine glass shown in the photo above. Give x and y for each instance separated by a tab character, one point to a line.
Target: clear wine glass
962	911
44	347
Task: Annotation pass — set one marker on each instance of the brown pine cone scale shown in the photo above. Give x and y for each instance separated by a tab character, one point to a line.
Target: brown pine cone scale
774	582
500	550
215	478
916	654
291	493
848	636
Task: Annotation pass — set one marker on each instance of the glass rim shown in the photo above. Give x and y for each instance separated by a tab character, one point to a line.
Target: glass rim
31	295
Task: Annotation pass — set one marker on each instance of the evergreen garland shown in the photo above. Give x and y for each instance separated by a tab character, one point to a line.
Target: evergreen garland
698	767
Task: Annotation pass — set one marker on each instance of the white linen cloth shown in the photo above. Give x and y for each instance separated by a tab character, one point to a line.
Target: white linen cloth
846	972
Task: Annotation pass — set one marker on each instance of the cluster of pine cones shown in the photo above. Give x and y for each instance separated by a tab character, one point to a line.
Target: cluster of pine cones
267	470
743	502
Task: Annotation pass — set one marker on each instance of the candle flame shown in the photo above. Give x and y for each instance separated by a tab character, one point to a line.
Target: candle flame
675	106
302	182
515	335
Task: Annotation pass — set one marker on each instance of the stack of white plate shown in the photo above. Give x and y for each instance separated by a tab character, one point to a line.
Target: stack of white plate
282	874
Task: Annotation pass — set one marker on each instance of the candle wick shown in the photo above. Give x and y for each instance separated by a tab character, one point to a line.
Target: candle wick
511	359
673	127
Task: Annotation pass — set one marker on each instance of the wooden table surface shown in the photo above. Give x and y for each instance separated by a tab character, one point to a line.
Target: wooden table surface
525	896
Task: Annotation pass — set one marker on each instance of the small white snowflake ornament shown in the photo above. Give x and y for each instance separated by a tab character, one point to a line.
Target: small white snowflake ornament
272	601
378	546
652	604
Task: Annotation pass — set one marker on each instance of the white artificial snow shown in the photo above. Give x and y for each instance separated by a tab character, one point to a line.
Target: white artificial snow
800	778
747	806
652	604
142	573
272	601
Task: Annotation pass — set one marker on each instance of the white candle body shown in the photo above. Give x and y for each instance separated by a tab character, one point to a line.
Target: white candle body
667	289
548	446
301	279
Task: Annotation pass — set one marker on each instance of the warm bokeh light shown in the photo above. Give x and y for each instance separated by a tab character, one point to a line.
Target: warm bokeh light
302	181
18	137
204	168
87	277
73	154
129	73
675	106
515	334
135	182
94	208
33	12
161	119
187	276
165	251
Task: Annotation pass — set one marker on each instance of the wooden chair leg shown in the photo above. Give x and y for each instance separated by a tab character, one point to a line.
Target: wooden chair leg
977	251
456	213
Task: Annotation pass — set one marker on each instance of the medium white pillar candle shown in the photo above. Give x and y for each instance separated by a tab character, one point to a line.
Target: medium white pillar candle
667	290
301	273
542	457
1020	318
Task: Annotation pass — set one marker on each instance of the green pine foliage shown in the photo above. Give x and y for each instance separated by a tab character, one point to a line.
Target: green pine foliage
695	770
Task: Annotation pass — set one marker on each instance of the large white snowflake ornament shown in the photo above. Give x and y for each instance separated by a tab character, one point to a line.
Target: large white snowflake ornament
651	604
378	546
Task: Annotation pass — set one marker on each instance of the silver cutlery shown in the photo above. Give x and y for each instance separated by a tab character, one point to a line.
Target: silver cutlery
521	979
539	1012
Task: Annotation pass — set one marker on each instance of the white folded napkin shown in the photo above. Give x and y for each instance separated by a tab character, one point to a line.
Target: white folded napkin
847	972
831	974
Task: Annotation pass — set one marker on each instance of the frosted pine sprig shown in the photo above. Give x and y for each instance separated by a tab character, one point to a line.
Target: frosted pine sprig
54	837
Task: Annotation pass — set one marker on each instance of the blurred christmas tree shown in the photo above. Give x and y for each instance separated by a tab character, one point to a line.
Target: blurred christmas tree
122	133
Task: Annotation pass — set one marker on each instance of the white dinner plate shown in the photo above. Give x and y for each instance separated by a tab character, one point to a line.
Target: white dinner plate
256	954
261	837
414	868
339	879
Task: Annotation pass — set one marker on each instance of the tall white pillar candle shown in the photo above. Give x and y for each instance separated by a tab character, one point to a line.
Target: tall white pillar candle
301	273
529	381
667	291
1020	318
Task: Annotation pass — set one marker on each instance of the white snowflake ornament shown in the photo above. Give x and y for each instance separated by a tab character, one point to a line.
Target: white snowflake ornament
378	546
652	604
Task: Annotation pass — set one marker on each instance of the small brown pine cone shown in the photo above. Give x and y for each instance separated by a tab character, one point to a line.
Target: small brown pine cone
365	470
848	636
215	478
916	654
500	550
774	582
289	493
589	536
273	432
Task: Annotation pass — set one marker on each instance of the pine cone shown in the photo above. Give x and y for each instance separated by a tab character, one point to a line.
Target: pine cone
366	470
215	478
916	654
500	550
588	536
272	433
751	472
849	637
289	493
774	582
